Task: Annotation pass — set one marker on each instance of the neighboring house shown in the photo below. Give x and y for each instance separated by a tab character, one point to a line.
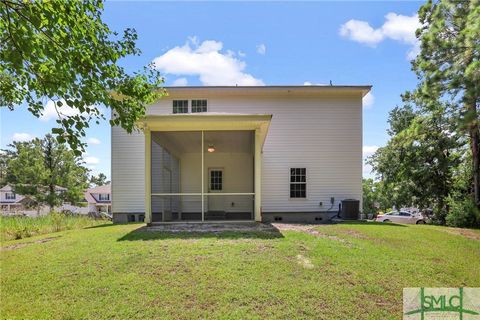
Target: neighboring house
11	202
99	199
269	153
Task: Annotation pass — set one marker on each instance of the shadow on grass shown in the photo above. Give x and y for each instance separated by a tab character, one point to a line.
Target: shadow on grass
146	234
106	224
371	223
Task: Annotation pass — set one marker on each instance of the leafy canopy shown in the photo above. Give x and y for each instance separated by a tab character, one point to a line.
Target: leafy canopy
62	51
99	180
38	167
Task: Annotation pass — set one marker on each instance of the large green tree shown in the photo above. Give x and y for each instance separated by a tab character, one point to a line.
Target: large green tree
448	68
62	51
38	167
418	164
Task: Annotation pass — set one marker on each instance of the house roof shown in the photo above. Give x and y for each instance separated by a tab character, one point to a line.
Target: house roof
271	90
17	199
20	197
101	189
6	188
88	194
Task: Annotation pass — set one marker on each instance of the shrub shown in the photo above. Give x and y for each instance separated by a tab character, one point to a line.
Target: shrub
463	213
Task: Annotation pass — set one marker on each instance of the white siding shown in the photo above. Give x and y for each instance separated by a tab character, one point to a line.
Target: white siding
322	134
128	170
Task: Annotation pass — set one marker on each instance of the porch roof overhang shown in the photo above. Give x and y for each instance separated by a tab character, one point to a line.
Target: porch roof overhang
208	122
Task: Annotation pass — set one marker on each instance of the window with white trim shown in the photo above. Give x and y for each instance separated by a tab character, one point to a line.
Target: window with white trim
104	197
216	180
199	106
10	196
180	106
298	182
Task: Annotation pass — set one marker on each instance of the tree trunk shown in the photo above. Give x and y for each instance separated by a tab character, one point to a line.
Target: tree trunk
474	146
51	196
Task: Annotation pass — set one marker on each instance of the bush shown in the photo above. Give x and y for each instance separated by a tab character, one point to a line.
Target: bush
463	213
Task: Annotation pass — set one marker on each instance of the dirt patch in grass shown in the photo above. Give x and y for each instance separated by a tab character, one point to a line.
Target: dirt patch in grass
354	234
310	229
467	233
304	262
24	244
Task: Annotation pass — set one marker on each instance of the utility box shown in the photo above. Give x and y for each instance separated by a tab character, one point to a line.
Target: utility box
350	209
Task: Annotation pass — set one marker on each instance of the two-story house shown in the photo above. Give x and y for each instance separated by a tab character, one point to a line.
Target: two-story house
99	199
269	153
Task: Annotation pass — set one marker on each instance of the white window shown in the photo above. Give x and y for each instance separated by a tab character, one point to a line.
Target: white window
10	196
104	197
199	106
180	106
298	183
216	180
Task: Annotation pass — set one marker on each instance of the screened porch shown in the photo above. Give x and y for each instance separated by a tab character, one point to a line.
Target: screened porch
203	175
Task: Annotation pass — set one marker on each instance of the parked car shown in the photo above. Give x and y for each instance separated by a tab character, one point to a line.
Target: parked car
401	217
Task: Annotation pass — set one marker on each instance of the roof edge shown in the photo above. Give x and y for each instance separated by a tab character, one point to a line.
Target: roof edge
297	88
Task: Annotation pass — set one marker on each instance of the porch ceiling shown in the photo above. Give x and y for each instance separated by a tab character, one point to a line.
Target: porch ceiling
209	122
190	141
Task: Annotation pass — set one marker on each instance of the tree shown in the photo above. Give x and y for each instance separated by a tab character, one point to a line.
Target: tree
3	168
377	196
448	68
38	168
418	164
369	198
62	51
99	180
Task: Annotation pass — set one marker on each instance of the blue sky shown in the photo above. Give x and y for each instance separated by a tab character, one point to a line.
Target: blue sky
269	43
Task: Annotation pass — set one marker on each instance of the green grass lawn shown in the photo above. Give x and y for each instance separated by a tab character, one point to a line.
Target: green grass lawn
18	227
344	271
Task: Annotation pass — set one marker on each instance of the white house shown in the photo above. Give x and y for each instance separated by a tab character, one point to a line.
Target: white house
99	199
290	153
9	200
14	203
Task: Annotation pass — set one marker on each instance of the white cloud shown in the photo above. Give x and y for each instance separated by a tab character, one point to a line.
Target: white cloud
91	160
368	151
94	141
368	100
261	49
241	54
396	27
22	137
180	82
49	111
308	83
361	31
206	61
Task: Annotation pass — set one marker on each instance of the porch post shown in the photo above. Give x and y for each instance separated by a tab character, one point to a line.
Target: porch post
148	175
203	177
258	176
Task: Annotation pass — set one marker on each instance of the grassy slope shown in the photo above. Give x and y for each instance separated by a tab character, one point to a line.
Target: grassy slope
346	271
18	227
